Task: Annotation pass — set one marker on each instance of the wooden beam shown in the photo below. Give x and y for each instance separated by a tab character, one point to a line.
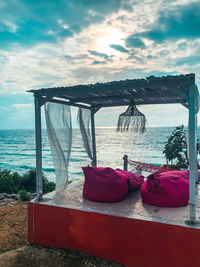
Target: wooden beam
192	128
38	141
125	158
96	109
44	100
184	104
180	93
129	95
68	103
69	98
151	83
94	162
137	103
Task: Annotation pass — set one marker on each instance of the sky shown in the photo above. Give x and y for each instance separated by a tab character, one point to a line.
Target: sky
50	43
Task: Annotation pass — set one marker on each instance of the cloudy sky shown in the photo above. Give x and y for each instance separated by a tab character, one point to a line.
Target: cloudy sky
46	43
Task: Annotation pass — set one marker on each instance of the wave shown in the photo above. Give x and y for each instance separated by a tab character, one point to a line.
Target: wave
17	149
17	154
78	159
31	167
48	169
13	167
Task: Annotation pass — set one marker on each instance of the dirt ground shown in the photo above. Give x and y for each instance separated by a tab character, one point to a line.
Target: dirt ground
14	250
13	224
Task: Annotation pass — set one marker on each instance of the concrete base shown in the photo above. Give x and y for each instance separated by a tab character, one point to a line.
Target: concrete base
129	232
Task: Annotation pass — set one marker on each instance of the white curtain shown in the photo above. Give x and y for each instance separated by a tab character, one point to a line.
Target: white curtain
59	129
84	121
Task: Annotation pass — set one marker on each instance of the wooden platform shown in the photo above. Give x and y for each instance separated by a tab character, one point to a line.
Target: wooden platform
129	232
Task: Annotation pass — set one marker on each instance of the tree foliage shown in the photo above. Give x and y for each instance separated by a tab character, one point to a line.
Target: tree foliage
24	195
9	182
12	183
175	149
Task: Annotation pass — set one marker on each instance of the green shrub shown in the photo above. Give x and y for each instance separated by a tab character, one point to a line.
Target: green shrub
175	149
12	183
48	186
9	182
28	182
24	196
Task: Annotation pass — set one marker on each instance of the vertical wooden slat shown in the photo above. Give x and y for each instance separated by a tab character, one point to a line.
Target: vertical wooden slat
38	144
125	158
94	162
192	154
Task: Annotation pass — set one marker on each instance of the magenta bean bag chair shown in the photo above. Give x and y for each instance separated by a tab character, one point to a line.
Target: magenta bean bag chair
166	189
134	180
104	185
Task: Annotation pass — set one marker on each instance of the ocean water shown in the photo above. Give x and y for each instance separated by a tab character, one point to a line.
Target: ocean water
17	149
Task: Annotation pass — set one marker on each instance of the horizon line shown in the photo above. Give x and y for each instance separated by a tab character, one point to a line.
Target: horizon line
97	127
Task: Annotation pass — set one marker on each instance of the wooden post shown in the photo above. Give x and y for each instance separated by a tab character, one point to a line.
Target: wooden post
125	158
192	154
38	144
94	162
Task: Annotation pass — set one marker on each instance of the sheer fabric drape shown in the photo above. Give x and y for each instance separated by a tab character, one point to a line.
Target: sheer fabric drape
59	129
84	120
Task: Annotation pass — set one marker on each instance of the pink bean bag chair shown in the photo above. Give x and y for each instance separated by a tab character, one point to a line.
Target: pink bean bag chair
166	189
134	180
104	185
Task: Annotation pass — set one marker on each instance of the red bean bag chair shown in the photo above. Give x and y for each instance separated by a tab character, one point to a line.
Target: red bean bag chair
166	189
134	180
104	185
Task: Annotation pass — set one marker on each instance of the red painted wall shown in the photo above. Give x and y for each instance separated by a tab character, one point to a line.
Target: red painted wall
131	242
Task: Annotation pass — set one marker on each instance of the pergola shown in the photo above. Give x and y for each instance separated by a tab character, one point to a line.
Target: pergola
152	90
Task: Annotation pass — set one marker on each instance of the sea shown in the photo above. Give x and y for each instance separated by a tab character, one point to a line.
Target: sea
17	150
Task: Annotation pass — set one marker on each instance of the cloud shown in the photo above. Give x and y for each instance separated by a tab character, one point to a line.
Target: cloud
95	53
16	111
134	42
3	108
96	62
182	21
23	107
119	48
28	23
3	59
68	42
46	47
106	57
188	60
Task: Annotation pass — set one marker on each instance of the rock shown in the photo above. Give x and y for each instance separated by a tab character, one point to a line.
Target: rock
14	196
31	195
3	195
8	196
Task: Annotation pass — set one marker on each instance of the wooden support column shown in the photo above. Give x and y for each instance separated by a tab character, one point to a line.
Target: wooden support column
192	154
38	144
94	162
125	158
